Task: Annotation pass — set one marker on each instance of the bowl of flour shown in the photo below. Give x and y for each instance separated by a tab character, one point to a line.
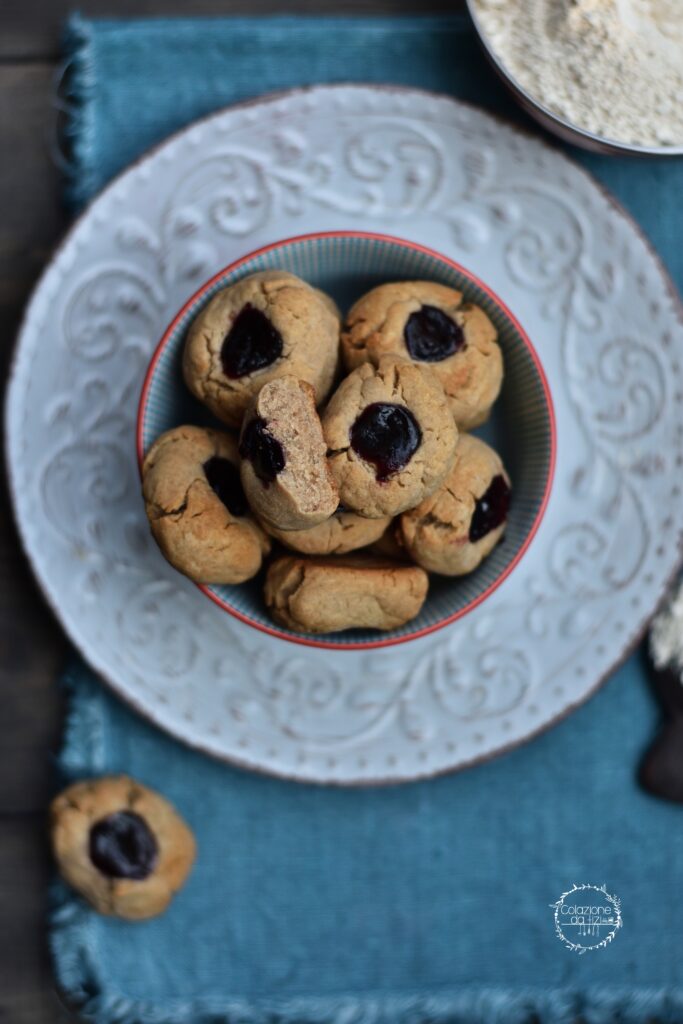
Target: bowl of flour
604	74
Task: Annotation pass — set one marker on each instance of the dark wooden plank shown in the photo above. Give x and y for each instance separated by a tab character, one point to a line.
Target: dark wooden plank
31	27
27	994
29	188
31	644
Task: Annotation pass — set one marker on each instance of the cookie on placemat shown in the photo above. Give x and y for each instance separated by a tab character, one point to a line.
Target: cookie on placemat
266	325
196	506
284	467
121	845
343	532
391	436
429	323
326	595
458	526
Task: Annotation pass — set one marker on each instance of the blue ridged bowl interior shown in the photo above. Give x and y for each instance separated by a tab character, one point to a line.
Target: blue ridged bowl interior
520	427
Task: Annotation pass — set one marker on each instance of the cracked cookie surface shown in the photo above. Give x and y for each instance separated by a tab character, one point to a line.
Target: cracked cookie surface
266	325
428	322
121	845
196	507
326	595
284	466
344	531
364	486
452	531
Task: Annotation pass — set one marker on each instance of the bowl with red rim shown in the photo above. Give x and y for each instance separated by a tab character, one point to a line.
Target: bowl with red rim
346	264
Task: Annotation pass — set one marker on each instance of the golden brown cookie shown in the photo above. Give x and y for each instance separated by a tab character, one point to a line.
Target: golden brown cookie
391	436
121	845
344	531
196	506
429	323
390	544
266	325
284	457
458	526
326	595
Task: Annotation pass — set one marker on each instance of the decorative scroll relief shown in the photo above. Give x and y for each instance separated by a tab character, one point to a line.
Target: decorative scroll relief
438	172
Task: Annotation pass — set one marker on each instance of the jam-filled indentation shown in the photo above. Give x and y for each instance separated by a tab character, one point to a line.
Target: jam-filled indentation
251	344
224	479
386	435
122	845
430	335
265	452
491	510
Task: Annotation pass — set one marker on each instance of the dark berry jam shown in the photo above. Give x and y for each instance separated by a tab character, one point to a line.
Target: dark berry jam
430	335
122	845
386	435
491	510
224	478
251	343
262	449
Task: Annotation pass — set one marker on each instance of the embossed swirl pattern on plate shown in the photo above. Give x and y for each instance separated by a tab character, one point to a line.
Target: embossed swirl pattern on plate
570	265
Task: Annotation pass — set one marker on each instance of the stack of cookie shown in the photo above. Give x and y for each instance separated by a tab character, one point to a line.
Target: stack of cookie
350	437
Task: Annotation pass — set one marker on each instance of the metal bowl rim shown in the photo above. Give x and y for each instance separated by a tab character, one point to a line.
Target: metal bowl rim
583	137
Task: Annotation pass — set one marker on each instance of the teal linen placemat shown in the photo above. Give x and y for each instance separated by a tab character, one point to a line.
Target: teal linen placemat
426	902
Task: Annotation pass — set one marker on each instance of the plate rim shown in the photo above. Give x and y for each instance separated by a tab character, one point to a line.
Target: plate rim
11	398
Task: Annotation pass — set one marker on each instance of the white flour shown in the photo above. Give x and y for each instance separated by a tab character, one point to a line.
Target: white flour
613	67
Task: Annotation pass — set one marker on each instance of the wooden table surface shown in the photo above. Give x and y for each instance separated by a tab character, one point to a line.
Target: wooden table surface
32	645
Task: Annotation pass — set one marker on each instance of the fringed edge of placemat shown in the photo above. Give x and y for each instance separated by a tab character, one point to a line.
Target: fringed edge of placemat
74	949
83	983
77	129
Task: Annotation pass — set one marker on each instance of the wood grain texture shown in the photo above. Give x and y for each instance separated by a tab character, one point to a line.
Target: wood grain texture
31	644
27	994
32	647
31	28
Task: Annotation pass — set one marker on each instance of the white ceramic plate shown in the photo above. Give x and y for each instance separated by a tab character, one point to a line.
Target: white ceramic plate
571	266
